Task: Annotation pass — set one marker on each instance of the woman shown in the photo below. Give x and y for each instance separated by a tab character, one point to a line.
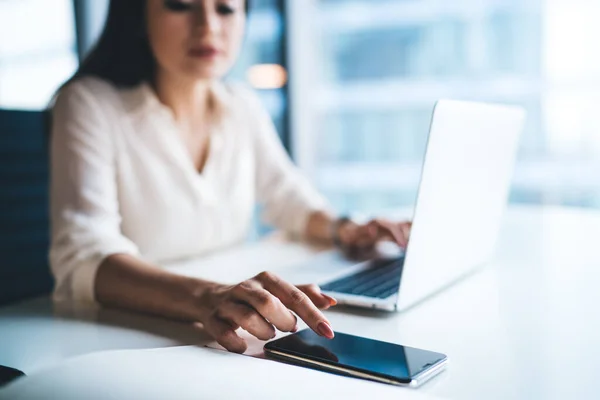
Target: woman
154	159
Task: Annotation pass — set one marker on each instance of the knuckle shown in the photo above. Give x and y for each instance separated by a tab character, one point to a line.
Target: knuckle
263	275
313	287
218	312
267	276
243	287
249	317
265	300
225	334
297	297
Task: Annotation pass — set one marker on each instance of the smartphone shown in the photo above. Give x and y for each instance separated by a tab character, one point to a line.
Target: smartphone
8	374
358	357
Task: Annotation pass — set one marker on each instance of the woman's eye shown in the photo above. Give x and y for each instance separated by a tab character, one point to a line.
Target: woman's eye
224	9
178	5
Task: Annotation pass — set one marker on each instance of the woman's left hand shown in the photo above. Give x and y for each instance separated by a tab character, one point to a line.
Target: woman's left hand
359	239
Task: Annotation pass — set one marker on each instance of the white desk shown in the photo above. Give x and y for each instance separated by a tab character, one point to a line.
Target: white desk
525	327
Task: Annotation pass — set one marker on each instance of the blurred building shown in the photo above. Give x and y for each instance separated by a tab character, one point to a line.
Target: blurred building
37	50
364	76
383	64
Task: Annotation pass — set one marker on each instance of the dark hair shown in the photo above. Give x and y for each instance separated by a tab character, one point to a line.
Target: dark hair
123	55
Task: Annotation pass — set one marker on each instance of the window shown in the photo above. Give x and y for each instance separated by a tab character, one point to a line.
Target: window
262	63
37	51
366	74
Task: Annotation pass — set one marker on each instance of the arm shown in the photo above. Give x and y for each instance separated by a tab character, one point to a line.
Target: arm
126	282
90	258
291	202
93	261
84	206
258	305
319	227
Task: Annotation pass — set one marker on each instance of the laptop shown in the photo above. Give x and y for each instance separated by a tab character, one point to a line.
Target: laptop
462	194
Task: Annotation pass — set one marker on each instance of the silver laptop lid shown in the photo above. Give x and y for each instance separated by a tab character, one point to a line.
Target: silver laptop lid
463	192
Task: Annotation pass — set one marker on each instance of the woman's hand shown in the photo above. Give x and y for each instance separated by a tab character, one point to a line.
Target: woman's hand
359	239
260	305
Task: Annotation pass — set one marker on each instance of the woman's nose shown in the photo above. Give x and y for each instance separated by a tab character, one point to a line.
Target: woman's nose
206	21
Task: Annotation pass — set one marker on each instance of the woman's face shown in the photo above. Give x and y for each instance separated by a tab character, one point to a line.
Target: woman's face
195	39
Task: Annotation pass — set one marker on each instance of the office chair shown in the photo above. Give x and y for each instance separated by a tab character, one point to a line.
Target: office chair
24	209
7	375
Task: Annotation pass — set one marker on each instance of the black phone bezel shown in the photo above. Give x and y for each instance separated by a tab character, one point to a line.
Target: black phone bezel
268	347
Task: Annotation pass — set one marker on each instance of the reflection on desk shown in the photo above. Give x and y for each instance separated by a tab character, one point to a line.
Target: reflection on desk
524	327
192	373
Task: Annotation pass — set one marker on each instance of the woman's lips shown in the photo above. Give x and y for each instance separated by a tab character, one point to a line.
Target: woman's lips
204	52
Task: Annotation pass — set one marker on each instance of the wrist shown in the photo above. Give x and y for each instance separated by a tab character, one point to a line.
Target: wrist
338	227
201	294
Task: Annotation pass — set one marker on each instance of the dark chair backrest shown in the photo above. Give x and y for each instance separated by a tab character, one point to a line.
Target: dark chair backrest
24	209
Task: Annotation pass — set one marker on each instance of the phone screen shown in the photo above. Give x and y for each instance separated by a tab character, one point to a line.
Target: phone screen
361	354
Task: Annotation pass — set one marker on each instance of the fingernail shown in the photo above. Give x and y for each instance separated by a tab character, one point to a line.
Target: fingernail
325	330
295	329
332	301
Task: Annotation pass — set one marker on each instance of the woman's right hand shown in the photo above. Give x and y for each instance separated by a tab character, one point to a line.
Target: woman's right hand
260	305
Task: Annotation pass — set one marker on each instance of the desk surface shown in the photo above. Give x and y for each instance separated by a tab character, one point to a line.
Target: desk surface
524	327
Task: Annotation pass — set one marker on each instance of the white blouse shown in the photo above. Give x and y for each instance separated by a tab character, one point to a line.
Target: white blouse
122	181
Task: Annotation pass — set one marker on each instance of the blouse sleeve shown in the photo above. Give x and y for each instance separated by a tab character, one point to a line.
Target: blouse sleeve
84	207
287	196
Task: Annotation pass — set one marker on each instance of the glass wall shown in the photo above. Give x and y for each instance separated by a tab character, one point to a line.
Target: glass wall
37	51
378	66
262	63
364	75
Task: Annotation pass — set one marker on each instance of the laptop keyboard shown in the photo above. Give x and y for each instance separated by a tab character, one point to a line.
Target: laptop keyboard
380	280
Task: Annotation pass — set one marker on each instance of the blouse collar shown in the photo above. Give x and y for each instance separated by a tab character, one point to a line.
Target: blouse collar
142	99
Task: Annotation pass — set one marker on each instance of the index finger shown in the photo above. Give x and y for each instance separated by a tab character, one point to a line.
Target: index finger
392	230
297	301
